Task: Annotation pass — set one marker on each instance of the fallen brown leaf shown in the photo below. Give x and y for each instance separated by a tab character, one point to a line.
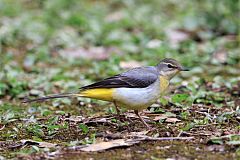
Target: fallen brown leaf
160	117
131	115
75	118
172	120
110	144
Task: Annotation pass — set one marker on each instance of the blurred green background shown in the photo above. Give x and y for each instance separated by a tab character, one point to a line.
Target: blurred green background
65	41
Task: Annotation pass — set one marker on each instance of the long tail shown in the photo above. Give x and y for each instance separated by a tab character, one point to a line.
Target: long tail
62	95
105	94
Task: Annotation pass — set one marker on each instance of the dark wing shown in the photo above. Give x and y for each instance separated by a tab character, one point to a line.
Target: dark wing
135	78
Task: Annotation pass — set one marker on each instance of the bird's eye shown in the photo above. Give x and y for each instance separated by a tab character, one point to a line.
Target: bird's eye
171	66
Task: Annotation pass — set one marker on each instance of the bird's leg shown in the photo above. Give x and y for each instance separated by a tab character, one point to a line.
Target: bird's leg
117	109
118	112
141	119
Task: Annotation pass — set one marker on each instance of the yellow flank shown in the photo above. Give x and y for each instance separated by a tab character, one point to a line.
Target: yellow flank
105	94
164	83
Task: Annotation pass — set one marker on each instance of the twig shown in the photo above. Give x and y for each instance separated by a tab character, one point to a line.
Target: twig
2	127
193	134
180	133
147	138
206	125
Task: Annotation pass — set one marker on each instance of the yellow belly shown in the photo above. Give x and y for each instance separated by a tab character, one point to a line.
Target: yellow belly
105	94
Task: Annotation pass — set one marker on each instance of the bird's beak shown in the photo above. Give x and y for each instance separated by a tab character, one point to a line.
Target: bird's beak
184	69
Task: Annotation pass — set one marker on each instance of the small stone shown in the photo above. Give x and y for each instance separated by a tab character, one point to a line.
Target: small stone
35	92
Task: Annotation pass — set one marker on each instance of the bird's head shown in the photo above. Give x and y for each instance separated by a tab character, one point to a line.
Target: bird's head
169	67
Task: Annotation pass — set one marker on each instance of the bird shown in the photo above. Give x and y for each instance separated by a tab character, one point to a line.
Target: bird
135	89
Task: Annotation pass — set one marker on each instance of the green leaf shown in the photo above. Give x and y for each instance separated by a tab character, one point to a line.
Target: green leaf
216	140
169	114
163	101
36	130
46	112
188	127
3	88
233	143
178	98
84	128
36	148
37	139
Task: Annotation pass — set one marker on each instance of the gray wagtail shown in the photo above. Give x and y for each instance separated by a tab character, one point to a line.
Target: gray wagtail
136	89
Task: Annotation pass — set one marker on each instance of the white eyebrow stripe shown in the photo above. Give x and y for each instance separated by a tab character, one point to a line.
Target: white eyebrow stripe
174	66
